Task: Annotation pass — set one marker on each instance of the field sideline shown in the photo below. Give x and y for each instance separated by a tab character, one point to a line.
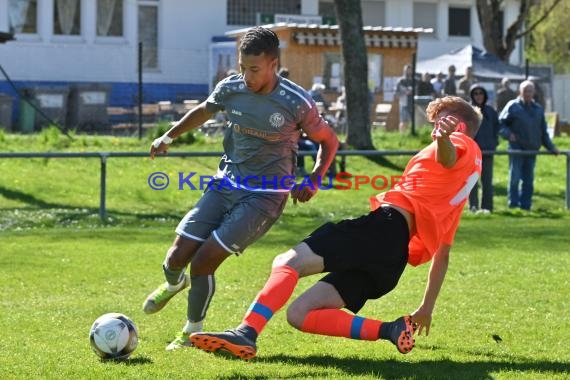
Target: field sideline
503	312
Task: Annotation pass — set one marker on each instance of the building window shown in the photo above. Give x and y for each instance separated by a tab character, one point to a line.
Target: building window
425	16
327	12
332	71
375	70
459	22
23	16
148	35
250	12
326	8
67	17
110	18
373	13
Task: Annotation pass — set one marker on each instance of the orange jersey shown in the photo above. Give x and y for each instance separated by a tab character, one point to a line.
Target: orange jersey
435	195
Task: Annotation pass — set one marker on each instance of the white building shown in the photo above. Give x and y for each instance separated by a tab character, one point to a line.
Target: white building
62	42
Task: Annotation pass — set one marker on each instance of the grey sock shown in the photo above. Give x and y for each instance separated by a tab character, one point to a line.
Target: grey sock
173	275
202	290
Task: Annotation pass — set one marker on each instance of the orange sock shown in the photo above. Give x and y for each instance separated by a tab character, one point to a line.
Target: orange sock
335	322
272	297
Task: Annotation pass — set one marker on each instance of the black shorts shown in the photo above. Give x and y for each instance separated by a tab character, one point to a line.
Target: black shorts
365	256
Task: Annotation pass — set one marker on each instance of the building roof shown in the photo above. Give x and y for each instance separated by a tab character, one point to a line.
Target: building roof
328	35
321	28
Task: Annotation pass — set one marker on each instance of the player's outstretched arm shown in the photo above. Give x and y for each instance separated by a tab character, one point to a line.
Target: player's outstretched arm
328	145
437	271
446	154
191	120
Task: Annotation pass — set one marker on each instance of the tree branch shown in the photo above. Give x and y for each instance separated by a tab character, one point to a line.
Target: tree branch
540	19
514	27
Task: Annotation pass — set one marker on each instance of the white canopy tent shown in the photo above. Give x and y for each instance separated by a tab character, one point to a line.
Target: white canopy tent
486	67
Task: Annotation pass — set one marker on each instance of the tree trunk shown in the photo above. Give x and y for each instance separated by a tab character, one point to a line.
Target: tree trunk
349	16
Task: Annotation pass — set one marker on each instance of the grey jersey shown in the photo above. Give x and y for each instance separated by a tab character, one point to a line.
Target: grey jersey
260	139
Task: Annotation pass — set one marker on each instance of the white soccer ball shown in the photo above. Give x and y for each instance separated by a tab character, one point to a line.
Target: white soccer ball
113	336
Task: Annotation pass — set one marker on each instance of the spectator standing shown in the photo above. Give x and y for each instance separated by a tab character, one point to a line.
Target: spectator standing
505	94
538	93
465	83
405	92
425	88
487	138
449	87
523	124
438	84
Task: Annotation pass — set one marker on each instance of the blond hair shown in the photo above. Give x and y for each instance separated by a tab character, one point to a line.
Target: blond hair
456	105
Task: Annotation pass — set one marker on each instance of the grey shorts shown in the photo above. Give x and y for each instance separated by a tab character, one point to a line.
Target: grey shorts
235	218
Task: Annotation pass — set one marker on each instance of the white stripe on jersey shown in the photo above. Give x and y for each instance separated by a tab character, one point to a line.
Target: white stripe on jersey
233	81
298	94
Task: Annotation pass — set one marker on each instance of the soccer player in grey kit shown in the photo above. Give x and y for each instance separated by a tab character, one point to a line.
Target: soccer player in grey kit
267	115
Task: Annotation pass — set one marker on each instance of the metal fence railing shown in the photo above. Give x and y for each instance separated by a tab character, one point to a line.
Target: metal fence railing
104	156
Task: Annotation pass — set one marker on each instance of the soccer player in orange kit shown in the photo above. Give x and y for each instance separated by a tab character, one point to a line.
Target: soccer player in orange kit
414	222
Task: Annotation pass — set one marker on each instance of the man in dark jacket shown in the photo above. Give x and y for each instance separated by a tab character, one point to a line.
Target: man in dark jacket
523	124
449	87
505	94
487	138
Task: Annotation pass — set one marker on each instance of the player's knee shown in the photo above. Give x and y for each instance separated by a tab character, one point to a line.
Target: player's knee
286	258
296	315
175	259
207	260
202	264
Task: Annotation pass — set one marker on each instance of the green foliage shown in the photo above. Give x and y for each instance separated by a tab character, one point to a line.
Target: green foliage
549	41
510	284
36	193
52	138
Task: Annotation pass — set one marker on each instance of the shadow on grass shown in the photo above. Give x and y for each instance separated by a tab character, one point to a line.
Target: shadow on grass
28	198
539	213
384	162
438	368
139	360
68	213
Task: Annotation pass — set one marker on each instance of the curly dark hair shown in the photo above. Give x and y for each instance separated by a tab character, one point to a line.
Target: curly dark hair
470	115
260	40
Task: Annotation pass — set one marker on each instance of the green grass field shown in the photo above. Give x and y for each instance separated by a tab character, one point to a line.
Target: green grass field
60	268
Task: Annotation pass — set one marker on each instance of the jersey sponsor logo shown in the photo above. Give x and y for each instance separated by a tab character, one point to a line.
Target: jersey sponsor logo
235	112
277	120
269	136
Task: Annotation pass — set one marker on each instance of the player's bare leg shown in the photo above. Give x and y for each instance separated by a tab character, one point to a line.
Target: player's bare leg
240	341
174	266
203	265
